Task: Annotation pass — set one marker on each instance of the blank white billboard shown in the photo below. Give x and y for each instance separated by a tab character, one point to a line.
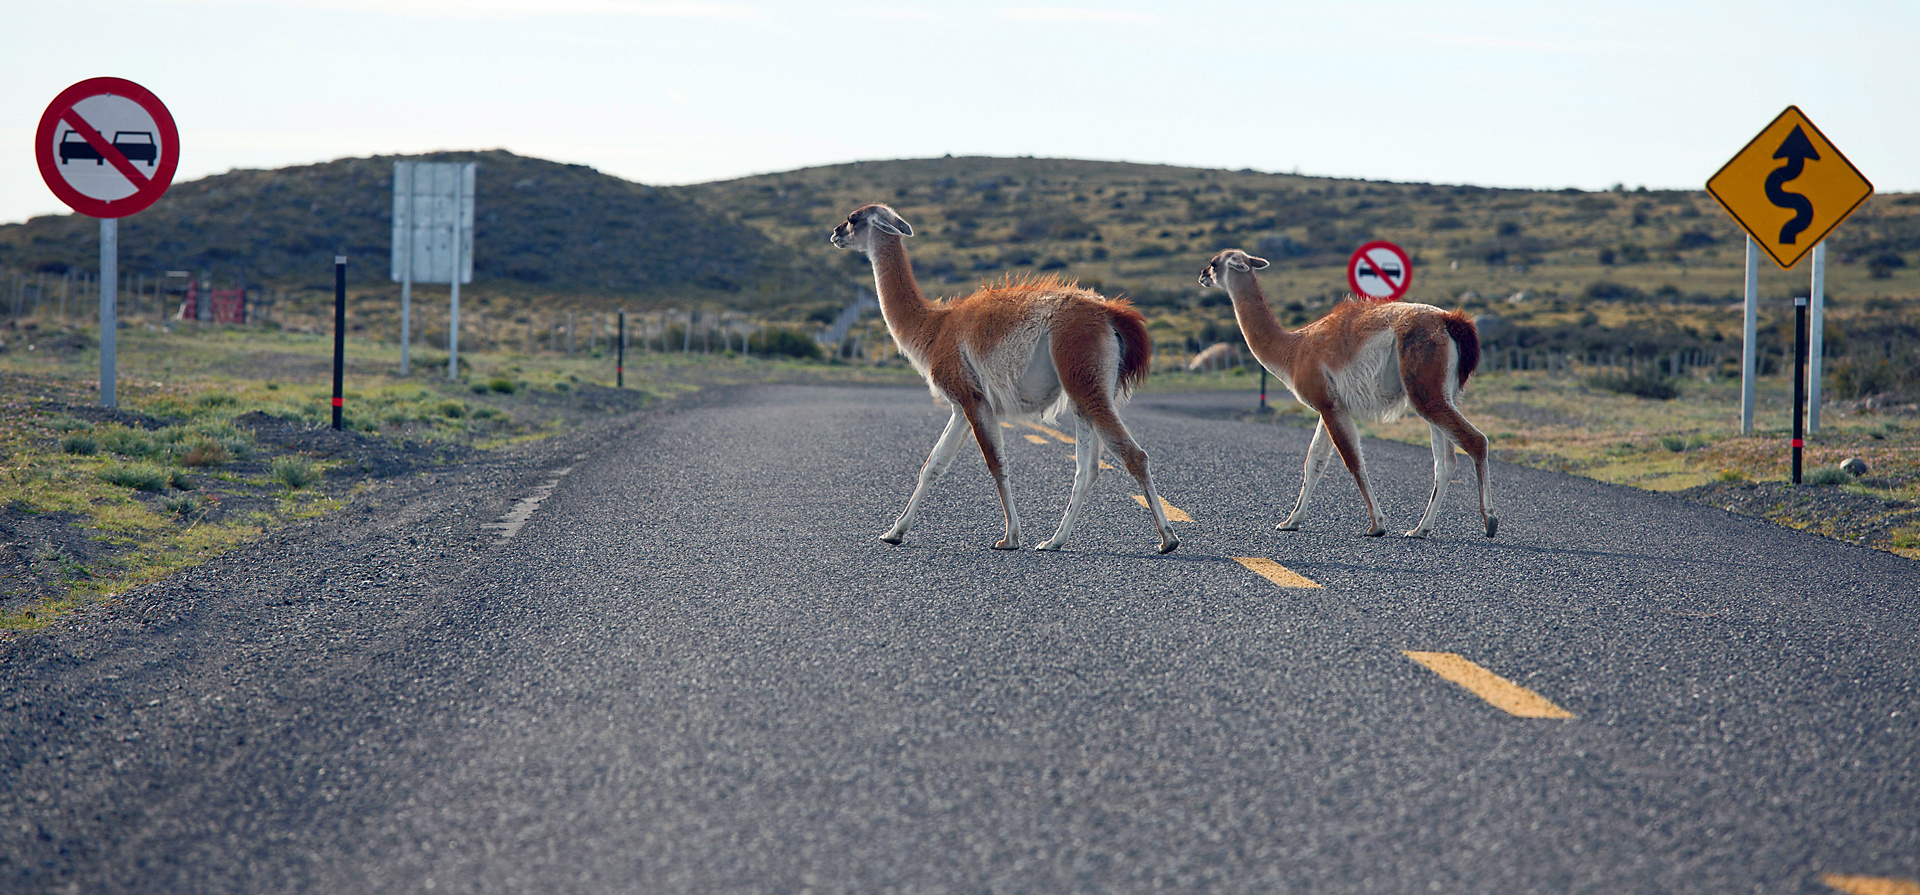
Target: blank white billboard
429	199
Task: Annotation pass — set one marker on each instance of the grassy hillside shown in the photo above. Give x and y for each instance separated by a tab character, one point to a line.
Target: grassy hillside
1582	273
542	229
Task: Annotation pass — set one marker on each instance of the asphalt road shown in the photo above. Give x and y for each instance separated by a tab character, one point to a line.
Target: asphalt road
694	669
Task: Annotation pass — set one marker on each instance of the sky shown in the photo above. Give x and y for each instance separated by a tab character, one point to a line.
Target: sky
1524	94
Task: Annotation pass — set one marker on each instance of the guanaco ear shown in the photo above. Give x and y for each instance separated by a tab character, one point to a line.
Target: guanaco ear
1258	263
1239	262
886	219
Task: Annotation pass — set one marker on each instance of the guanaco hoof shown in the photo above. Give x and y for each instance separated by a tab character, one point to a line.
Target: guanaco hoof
1416	533
1285	527
1169	545
1493	525
1002	544
1376	532
891	540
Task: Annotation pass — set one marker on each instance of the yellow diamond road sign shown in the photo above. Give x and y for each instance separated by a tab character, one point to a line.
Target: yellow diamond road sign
1789	187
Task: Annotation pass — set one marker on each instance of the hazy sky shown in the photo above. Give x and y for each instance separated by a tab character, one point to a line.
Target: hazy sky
1499	94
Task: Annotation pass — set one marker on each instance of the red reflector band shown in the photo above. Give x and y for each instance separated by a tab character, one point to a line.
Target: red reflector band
339	402
1797	443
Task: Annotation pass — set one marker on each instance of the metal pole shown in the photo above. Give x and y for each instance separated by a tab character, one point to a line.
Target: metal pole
1263	388
339	334
109	315
406	274
1799	380
1816	330
1749	336
453	307
620	365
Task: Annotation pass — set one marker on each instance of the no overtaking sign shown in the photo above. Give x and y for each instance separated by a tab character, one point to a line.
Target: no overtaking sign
107	147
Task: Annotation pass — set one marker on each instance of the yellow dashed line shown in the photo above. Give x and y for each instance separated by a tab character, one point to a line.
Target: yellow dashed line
1174	514
1103	464
1871	885
1063	437
1275	572
1036	439
1504	694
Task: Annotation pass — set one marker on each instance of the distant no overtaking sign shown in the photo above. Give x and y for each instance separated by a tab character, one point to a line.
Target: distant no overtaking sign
107	147
1379	271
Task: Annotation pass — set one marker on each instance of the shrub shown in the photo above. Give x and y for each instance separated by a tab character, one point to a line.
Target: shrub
503	385
1648	385
80	443
183	505
1607	290
783	342
1827	475
138	476
452	410
207	453
128	442
562	386
295	472
65	423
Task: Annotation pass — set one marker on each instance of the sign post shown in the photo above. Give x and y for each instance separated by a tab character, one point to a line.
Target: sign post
1379	271
119	127
1788	188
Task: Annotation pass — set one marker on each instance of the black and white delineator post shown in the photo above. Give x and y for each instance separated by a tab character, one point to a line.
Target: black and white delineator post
339	338
432	242
1799	381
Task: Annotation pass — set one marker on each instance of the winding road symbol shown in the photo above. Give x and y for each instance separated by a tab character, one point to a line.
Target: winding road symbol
1796	149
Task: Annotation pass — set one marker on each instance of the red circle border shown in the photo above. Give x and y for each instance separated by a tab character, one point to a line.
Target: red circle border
1406	264
80	202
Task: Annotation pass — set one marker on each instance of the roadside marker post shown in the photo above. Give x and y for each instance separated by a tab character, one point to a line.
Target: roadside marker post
1380	271
339	335
1799	380
620	364
1786	223
74	130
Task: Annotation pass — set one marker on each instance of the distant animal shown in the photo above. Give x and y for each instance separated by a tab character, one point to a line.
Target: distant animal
1218	356
1369	360
1019	349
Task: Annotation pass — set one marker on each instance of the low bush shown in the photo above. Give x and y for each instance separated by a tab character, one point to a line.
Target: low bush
126	442
1827	475
784	342
1652	386
295	472
207	452
138	476
80	443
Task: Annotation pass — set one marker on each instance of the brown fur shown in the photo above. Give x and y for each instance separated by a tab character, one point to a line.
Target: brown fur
962	346
1313	359
1467	337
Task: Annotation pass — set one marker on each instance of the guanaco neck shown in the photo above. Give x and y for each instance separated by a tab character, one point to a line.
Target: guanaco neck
1271	343
905	309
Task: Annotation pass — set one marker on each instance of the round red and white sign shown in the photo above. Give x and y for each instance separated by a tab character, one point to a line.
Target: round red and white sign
107	147
1379	271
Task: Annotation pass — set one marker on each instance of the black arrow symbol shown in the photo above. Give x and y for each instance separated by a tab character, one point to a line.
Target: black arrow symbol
1796	149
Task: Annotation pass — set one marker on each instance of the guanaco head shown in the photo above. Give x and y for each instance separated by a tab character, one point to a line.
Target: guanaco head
1215	273
856	232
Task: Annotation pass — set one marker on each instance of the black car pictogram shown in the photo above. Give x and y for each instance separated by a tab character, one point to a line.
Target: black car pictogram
137	146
